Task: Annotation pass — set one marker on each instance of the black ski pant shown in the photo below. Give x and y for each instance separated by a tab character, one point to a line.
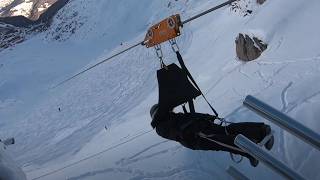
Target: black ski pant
226	135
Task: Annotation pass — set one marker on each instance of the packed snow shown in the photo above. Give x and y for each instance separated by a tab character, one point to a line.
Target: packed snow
103	131
43	7
8	167
5	3
23	9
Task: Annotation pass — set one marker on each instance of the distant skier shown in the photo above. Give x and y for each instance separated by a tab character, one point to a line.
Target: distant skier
194	130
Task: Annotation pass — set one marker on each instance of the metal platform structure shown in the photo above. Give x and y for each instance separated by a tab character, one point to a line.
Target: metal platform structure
266	158
236	174
283	121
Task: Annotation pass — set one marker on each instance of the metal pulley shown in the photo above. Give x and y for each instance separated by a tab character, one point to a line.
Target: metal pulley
163	31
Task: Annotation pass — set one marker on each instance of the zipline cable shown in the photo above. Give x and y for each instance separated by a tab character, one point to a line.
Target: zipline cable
208	11
105	60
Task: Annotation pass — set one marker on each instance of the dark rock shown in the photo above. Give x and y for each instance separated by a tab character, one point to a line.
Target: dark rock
249	49
10	35
18	21
47	16
37	8
240	47
261	1
14	30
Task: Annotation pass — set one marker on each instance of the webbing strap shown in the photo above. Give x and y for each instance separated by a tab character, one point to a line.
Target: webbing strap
183	108
183	66
202	135
191	106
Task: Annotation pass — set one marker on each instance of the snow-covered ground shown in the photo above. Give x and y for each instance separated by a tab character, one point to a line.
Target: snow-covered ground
119	93
31	9
5	3
8	167
43	7
23	9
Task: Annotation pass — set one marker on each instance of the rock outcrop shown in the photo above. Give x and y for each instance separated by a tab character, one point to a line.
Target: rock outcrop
31	9
261	1
10	35
248	48
45	18
14	30
18	21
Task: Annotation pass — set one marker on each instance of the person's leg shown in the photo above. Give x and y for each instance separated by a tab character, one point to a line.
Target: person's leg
253	131
208	127
224	143
220	143
215	139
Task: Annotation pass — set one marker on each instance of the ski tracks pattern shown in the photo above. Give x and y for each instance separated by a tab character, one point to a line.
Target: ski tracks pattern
137	157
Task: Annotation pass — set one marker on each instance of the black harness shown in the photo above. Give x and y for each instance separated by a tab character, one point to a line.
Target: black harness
176	89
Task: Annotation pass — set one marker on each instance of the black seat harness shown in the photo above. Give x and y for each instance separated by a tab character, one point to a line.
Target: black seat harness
177	87
185	69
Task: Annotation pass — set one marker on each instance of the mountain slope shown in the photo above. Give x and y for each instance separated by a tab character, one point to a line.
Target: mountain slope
119	93
31	9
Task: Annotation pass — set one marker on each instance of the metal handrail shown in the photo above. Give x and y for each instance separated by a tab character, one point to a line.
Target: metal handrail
266	158
236	174
284	121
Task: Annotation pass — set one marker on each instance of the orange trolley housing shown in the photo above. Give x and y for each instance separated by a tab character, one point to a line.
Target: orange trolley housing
165	30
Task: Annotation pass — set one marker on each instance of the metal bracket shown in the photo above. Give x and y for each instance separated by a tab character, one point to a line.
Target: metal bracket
160	55
174	45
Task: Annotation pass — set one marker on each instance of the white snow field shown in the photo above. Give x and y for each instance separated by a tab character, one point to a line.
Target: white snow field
23	9
4	3
53	144
8	167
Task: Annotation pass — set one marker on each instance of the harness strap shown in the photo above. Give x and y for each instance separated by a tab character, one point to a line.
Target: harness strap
185	69
183	107
191	106
220	143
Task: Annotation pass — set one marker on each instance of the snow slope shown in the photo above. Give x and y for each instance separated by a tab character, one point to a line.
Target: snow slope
23	9
119	93
9	168
31	9
5	3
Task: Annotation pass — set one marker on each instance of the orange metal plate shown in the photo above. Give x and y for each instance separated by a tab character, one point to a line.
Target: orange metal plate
165	30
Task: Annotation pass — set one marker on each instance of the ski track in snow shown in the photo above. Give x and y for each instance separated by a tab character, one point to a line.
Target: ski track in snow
295	105
281	132
284	97
91	156
126	160
137	174
223	76
307	157
129	161
288	61
280	41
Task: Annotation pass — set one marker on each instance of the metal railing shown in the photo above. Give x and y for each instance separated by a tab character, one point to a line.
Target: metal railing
263	156
284	121
233	172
